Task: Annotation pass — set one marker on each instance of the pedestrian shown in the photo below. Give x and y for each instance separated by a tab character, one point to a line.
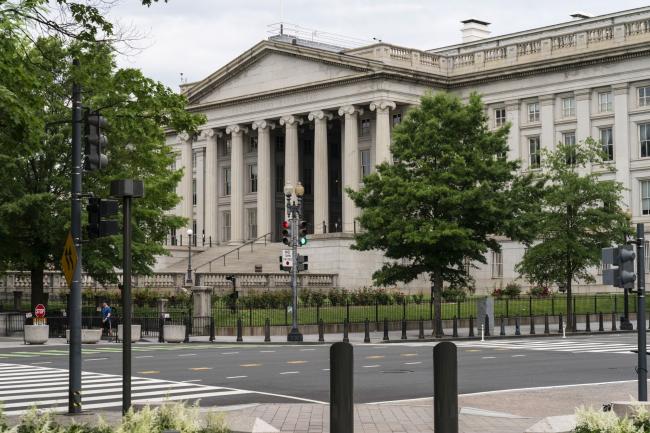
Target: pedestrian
106	318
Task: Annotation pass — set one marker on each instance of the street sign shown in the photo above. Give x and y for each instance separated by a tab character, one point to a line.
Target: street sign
287	258
69	259
39	311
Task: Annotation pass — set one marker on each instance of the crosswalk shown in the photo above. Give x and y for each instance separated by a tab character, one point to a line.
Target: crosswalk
25	386
568	345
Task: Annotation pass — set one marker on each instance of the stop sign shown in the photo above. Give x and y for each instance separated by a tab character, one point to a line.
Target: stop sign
39	311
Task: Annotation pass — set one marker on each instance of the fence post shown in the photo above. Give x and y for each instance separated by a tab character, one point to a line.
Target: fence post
595	303
560	324
347	310
588	322
321	331
601	324
552	305
250	314
547	330
615	304
188	319
286	315
455	327
445	388
507	307
366	331
376	315
161	329
458	309
345	331
403	329
404	310
212	330
317	313
385	329
421	333
471	326
239	330
532	325
267	330
530	305
614	321
517	330
341	388
502	331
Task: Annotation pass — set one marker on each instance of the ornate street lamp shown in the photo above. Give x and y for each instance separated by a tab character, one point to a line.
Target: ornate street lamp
188	281
294	213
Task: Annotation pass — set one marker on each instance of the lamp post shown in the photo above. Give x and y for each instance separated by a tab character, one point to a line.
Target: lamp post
294	212
188	281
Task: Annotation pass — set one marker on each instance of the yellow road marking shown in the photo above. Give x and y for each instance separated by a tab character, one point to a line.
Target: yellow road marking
501	350
250	365
409	354
473	350
149	372
375	357
296	362
201	368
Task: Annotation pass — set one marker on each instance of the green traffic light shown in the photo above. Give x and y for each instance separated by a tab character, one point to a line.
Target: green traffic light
303	241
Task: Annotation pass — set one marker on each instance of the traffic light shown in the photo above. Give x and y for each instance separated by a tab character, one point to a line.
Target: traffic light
302	263
623	258
95	140
286	233
99	213
302	233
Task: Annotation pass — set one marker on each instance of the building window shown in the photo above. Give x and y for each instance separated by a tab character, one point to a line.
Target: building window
644	139
607	141
225	150
365	128
194	160
279	143
252	145
251	217
497	265
397	119
569	139
605	102
645	197
534	152
499	117
193	192
226	181
533	112
194	232
644	96
252	178
226	226
568	107
279	178
307	180
364	159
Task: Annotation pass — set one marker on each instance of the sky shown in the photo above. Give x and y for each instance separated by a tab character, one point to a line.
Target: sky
197	37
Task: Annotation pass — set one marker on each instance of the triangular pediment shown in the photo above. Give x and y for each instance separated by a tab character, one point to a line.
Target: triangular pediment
271	69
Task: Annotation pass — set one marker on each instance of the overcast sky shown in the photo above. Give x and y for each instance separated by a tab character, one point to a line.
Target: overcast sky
196	37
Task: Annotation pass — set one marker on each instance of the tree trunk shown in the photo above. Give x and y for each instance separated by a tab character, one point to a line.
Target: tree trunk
569	306
437	283
37	286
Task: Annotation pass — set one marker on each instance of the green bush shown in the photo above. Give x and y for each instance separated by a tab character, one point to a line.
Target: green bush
593	421
454	294
338	296
512	290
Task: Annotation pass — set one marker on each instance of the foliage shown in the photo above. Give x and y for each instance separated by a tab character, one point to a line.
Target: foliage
449	192
595	421
577	215
539	292
454	294
512	290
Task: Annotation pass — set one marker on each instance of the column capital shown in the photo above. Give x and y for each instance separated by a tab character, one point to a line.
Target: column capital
183	137
382	105
236	129
291	120
263	124
350	110
211	132
320	115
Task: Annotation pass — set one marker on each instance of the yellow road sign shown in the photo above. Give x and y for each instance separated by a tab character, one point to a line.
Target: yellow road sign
69	259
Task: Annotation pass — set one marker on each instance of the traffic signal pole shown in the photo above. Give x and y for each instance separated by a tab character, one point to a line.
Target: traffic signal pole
642	369
74	319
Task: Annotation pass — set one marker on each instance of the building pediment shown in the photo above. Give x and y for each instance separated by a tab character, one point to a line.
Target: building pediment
274	66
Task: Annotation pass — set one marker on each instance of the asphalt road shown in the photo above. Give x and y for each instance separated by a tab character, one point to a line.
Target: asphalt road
383	372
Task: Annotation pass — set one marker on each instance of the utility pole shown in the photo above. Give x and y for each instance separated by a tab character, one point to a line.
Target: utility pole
640	320
74	319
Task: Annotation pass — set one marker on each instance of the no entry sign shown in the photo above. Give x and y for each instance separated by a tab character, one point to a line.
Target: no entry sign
39	311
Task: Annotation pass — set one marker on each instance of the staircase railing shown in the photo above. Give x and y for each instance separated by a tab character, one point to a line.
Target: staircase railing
226	254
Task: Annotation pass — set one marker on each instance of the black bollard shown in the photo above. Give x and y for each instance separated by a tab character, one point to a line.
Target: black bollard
502	331
366	336
267	330
588	323
187	329
560	324
547	330
239	330
517	330
345	331
321	331
601	323
445	388
614	321
161	330
532	325
403	329
212	330
455	330
421	333
385	329
487	326
341	388
471	326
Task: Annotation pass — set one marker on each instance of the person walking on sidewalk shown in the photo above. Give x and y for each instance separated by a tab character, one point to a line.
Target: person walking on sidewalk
106	318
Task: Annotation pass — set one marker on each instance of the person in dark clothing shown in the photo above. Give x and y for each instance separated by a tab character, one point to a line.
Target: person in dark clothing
106	318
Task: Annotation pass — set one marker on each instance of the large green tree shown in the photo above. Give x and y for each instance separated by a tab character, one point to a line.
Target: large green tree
448	194
35	152
577	216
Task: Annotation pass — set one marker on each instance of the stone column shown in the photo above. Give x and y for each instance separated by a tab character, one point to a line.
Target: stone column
291	166
264	187
583	119
382	130
211	195
512	116
236	184
321	169
350	156
547	117
622	139
186	182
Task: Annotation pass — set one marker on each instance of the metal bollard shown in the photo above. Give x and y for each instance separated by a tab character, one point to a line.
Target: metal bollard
385	329
403	329
547	330
471	326
366	334
588	323
532	325
187	329
345	331
601	322
445	388
212	330
517	329
455	325
614	321
321	331
341	388
502	331
267	330
239	330
560	324
421	333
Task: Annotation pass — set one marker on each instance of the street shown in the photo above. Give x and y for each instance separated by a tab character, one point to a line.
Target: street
230	374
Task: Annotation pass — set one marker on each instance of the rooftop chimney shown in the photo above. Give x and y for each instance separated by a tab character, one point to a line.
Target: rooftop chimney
580	15
474	30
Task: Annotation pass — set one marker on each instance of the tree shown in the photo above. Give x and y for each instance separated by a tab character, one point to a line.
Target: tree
35	154
444	199
577	216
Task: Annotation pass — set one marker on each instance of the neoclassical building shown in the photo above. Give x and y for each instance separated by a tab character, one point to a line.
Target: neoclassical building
290	109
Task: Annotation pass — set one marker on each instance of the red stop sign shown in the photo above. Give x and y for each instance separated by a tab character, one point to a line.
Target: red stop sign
39	311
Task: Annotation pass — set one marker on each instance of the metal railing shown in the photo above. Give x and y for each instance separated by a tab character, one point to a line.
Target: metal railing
237	249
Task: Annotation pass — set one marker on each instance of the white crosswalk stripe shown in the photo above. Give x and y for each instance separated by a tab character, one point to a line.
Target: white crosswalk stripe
23	387
563	345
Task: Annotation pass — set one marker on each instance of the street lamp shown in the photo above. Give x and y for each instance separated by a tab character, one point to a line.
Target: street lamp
188	281
294	213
